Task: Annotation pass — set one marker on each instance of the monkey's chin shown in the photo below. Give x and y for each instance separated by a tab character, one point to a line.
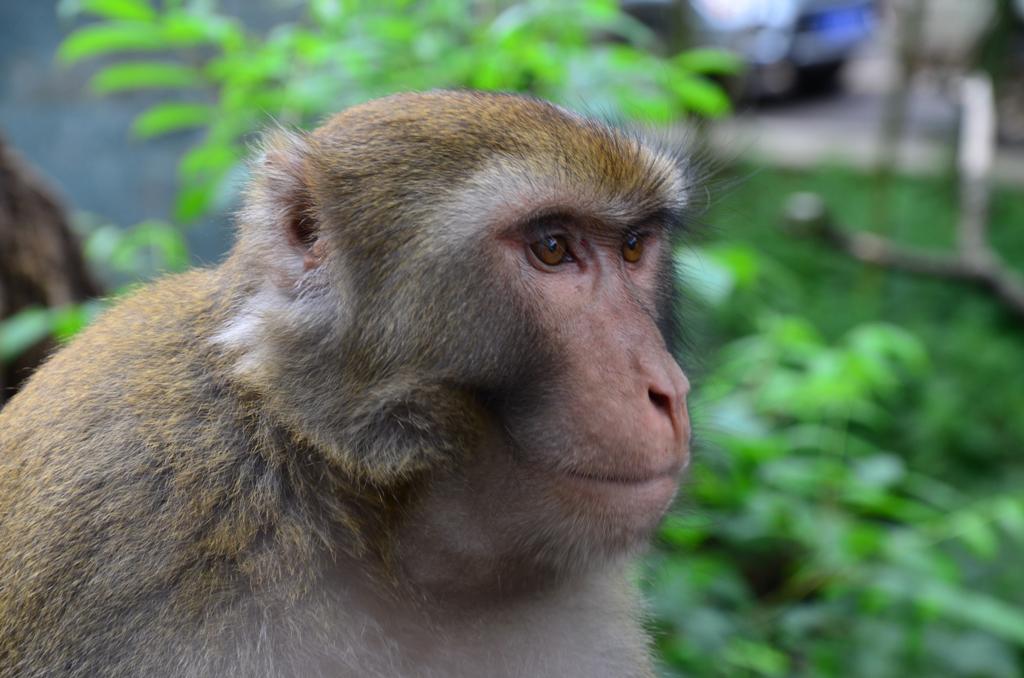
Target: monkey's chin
628	509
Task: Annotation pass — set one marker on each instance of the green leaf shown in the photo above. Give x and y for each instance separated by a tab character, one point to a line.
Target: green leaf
132	10
709	61
193	201
393	28
22	331
70	320
157	241
686	530
208	159
172	117
1008	512
650	108
700	95
977	610
976	533
742	261
605	10
110	38
184	29
144	75
760	658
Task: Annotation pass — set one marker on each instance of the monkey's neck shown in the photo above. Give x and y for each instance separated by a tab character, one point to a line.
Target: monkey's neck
439	591
449	550
539	634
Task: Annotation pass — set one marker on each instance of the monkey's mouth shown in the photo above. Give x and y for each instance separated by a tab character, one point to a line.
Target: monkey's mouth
625	479
644	494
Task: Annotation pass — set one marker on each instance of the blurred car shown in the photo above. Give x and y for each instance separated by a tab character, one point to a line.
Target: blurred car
786	43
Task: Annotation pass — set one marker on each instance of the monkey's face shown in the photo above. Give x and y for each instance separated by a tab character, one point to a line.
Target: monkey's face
575	416
499	270
545	310
597	426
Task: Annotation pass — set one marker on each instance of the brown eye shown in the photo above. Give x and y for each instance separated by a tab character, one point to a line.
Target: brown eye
632	248
551	249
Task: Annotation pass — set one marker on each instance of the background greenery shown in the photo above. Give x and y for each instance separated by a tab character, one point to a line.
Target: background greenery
854	505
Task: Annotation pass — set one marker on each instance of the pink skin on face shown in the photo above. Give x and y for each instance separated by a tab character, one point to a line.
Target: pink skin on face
627	401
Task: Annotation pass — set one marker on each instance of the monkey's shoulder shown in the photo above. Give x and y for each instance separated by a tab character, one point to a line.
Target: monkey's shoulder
138	355
129	485
119	422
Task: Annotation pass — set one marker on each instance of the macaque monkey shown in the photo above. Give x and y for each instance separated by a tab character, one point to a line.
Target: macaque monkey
418	423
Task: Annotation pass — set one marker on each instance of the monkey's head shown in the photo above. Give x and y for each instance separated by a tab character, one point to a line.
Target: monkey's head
468	293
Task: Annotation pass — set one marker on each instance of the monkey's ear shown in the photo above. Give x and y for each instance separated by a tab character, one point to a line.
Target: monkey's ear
280	219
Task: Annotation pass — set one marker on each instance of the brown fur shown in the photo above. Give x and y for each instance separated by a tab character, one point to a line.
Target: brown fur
221	475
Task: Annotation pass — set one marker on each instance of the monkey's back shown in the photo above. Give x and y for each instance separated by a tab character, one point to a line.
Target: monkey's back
130	506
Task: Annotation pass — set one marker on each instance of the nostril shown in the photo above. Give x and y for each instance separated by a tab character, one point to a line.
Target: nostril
661	401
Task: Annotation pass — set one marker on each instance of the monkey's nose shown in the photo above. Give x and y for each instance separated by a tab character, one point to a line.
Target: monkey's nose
661	401
667	395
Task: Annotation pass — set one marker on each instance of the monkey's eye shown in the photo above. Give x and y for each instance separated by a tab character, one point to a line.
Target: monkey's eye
632	248
552	250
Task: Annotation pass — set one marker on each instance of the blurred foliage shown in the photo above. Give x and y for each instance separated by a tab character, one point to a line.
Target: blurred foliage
230	82
122	257
140	252
854	508
963	422
30	326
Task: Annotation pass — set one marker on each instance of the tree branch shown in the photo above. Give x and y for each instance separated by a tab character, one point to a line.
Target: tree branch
974	260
